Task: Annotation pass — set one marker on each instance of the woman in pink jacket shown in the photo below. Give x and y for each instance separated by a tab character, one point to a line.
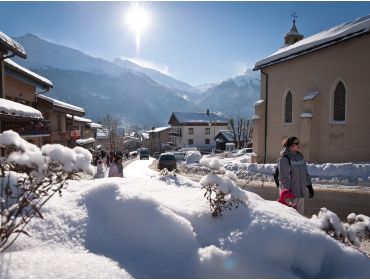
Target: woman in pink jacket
116	169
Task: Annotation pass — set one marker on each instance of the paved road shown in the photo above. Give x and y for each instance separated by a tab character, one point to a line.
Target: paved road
341	202
338	201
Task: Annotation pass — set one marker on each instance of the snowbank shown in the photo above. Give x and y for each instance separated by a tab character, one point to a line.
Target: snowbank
327	173
149	228
193	157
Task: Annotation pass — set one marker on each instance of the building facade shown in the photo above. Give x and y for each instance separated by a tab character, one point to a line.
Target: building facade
196	129
318	90
159	139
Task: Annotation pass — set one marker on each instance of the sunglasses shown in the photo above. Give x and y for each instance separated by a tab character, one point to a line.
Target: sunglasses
296	143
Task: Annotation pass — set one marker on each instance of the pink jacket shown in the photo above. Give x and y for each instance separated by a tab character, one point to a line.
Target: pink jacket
115	171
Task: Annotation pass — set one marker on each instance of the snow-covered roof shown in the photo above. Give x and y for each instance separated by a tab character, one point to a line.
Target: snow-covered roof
226	134
320	40
311	95
9	44
95	125
159	129
258	103
79	119
85	141
17	109
10	64
145	135
306	115
255	117
102	134
198	118
61	103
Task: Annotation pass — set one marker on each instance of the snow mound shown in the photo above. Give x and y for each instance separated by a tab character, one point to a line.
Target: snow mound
211	162
193	157
153	229
58	263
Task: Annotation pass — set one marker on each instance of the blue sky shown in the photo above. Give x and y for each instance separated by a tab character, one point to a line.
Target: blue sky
196	42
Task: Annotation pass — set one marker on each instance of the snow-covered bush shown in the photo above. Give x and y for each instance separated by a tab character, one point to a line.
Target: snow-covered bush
221	191
29	177
330	223
193	157
357	228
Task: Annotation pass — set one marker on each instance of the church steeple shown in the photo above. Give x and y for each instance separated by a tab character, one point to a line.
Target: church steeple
293	35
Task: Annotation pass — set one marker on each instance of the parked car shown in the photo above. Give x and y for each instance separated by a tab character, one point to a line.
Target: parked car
167	160
144	153
244	151
156	155
180	156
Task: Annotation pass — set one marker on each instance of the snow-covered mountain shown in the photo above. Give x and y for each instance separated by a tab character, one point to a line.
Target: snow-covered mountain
92	83
235	97
101	86
204	87
157	76
42	53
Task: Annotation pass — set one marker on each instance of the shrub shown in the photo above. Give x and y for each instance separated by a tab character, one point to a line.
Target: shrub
29	177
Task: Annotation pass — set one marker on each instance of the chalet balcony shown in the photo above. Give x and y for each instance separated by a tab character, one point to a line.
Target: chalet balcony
26	126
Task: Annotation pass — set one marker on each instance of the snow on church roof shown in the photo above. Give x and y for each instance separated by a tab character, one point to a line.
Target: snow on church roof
323	39
8	43
61	103
17	109
32	75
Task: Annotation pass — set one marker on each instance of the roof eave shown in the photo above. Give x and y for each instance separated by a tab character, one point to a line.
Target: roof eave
312	49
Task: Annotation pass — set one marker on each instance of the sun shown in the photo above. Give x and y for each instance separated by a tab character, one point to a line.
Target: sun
137	20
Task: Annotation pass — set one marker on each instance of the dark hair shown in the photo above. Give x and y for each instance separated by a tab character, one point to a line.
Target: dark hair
116	159
288	142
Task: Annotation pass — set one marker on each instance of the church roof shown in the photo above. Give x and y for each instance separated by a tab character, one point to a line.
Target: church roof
320	40
294	29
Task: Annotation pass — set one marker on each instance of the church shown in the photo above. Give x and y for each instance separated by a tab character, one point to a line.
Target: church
318	89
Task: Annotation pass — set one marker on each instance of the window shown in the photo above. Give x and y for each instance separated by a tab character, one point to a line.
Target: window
190	141
340	103
207	130
288	108
190	130
207	142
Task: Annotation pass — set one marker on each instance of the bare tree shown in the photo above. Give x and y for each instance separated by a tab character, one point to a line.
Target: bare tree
241	132
111	124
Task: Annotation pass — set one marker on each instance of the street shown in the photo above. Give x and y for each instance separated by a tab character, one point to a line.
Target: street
341	202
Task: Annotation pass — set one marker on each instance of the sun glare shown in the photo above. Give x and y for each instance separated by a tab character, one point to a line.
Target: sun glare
137	19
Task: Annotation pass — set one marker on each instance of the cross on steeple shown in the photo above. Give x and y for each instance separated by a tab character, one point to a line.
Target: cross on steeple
294	16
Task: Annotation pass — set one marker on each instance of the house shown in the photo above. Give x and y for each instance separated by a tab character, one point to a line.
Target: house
84	131
159	139
317	88
196	129
144	140
18	89
222	138
56	111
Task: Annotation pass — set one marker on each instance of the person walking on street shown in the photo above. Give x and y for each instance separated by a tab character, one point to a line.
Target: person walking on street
293	174
116	168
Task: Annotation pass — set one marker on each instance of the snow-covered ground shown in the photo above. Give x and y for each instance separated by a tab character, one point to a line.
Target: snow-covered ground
147	225
330	175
